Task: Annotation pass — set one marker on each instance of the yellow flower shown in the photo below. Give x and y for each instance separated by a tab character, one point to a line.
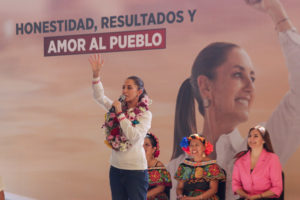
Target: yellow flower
107	143
106	117
143	109
198	172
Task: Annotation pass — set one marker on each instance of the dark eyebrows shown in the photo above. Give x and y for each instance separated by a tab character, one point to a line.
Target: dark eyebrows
243	69
127	85
255	134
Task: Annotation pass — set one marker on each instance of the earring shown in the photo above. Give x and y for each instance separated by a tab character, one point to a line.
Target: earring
206	102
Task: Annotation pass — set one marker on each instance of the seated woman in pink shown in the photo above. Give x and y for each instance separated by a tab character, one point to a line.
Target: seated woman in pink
257	171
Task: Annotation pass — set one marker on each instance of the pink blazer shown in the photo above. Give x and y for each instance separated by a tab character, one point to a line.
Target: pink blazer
265	176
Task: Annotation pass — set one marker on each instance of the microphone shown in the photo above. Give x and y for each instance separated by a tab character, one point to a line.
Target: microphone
121	99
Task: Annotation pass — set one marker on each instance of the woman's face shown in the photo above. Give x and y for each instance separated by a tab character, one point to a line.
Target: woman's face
232	90
149	149
196	148
255	139
130	91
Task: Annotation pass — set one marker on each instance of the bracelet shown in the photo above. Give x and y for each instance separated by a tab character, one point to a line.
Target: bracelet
95	82
281	21
119	113
121	119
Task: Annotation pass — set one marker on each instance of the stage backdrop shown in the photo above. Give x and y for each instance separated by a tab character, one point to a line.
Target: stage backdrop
52	145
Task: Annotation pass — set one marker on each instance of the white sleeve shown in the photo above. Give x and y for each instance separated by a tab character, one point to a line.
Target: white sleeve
134	133
99	95
284	123
172	169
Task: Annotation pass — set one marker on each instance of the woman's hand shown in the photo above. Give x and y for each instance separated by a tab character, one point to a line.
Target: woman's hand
275	10
253	197
189	198
96	62
118	106
263	5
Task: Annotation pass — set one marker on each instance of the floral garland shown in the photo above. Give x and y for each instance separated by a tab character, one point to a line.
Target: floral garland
185	143
115	137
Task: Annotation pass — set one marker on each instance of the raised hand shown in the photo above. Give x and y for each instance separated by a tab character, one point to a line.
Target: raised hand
258	4
275	10
96	62
264	5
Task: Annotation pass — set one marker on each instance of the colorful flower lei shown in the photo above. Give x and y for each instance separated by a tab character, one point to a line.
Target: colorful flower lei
115	137
185	143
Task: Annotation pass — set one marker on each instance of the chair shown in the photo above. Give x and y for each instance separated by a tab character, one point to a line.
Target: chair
282	193
222	188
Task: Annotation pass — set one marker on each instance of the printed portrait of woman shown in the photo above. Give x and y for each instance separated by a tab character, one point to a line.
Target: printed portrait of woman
222	82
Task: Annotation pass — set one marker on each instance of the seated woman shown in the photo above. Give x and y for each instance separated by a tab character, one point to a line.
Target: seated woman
1	191
198	176
159	177
257	171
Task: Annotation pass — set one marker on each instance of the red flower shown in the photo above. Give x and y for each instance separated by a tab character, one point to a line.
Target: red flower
116	120
208	148
142	104
214	170
136	111
154	175
115	131
156	153
186	149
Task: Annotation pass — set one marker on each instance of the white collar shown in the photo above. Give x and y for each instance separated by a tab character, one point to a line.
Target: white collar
233	138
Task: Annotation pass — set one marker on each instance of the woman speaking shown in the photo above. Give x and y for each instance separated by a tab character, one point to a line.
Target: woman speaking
126	123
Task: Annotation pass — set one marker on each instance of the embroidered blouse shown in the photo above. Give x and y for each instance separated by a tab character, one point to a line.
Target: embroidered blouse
159	176
197	176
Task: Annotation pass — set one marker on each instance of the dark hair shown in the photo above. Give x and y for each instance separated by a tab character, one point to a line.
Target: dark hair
152	139
194	136
205	64
140	84
154	142
267	145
